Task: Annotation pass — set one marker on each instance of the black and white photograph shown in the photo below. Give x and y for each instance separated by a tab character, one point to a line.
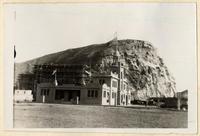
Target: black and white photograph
101	66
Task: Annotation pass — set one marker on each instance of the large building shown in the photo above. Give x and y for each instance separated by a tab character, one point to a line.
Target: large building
74	84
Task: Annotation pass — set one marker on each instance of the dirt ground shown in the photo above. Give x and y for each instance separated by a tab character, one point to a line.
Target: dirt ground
37	115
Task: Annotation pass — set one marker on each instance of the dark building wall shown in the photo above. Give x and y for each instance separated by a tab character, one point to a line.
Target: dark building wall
49	97
25	82
91	99
74	91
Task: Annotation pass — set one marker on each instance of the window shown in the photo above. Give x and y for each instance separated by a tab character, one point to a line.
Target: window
92	93
89	93
113	95
114	84
47	92
104	94
44	92
96	93
108	94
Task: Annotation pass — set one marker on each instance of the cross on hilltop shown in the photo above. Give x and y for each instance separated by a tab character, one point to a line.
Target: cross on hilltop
115	36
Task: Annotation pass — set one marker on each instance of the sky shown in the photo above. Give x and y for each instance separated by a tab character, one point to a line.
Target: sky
40	29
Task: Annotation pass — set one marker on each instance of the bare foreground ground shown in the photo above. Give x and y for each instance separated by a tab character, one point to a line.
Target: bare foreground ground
35	115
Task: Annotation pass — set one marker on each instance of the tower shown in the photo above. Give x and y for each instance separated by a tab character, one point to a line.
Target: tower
116	56
118	67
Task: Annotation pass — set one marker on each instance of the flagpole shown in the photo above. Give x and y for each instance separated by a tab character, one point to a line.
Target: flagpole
14	40
14	65
55	79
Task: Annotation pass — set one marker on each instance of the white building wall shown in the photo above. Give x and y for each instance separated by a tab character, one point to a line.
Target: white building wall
105	96
23	96
113	92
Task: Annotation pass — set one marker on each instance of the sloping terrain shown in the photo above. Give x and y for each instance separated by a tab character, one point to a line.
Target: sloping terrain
146	70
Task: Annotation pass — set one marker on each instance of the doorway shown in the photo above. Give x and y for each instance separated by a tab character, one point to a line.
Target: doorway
67	95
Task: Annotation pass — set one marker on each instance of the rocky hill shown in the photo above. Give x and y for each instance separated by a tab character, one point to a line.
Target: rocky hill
146	70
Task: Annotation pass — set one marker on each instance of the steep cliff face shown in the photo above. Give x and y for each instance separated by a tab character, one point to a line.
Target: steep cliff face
145	69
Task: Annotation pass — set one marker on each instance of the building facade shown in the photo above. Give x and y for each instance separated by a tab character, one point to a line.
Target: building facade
73	84
23	96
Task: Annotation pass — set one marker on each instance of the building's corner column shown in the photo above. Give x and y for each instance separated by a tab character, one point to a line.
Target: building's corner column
178	101
101	95
110	101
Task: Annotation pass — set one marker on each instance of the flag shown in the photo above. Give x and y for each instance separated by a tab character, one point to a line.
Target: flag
54	72
88	72
55	80
14	52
